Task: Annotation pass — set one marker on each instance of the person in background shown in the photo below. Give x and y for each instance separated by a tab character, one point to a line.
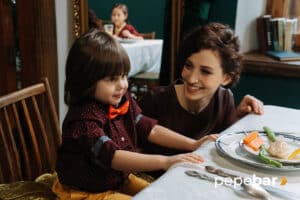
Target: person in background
122	29
200	102
104	127
94	21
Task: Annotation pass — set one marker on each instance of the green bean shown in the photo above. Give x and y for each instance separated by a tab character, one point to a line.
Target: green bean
268	160
270	133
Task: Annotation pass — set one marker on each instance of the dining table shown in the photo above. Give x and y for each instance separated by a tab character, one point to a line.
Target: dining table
175	184
144	55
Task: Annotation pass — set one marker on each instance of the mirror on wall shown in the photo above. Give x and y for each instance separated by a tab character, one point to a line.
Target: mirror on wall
80	17
146	16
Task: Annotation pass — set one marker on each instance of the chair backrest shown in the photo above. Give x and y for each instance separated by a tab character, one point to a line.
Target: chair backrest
29	133
150	35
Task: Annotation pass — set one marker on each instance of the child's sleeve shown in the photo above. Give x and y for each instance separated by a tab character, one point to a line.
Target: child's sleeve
100	146
133	31
143	123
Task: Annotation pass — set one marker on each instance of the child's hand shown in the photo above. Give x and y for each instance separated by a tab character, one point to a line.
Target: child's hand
250	104
126	33
187	157
211	137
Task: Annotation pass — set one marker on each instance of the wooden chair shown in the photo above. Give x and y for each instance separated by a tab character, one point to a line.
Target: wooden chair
150	35
29	133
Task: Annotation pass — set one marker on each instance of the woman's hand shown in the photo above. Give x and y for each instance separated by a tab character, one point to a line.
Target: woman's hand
187	157
250	104
205	138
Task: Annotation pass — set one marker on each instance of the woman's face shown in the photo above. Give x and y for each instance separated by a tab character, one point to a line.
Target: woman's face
118	17
110	90
202	75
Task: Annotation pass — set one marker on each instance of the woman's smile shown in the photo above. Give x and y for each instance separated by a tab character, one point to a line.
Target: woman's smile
192	89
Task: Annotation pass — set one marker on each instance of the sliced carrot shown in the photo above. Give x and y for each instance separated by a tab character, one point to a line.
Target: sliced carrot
256	143
250	137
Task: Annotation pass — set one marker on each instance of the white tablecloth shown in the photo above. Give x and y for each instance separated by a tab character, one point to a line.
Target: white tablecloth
175	185
144	55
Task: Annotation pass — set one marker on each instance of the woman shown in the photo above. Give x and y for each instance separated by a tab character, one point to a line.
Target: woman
200	102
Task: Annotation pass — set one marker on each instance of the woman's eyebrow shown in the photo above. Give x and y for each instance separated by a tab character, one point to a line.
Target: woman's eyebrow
189	62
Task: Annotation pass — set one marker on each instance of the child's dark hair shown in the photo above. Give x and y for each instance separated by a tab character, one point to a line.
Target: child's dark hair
92	57
219	38
123	7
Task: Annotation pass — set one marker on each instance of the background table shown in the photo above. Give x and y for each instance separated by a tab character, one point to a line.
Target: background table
174	184
144	55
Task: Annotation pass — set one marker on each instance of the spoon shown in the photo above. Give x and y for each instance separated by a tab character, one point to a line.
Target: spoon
253	189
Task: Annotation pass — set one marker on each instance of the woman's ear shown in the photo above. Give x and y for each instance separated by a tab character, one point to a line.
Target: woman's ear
226	80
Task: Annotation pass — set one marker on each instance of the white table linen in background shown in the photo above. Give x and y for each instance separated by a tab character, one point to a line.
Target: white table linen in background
144	55
175	185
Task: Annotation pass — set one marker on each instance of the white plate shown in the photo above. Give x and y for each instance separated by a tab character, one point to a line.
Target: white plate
229	145
293	144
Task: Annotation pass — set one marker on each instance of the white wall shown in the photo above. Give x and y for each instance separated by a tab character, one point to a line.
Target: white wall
64	34
245	24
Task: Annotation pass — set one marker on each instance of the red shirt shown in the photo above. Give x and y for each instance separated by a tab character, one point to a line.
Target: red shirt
90	140
130	28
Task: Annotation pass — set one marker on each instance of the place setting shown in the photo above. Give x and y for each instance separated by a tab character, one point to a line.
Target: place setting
278	151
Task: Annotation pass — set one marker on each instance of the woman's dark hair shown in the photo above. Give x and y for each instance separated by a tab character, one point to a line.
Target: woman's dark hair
92	57
123	7
219	38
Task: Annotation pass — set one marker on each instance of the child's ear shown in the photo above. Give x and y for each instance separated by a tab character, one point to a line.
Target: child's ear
226	80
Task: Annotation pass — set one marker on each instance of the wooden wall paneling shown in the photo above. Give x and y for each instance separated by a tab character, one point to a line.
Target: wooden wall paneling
279	8
37	35
295	12
7	49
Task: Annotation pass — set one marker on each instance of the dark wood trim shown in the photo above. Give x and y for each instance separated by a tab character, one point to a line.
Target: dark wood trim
38	44
7	49
257	63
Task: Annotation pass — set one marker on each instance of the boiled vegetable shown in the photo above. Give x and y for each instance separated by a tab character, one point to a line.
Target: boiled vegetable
268	160
294	154
250	137
270	133
256	143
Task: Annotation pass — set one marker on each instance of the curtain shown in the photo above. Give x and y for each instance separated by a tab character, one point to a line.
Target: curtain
172	30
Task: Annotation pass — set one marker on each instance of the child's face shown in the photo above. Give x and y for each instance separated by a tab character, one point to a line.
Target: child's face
110	90
202	74
118	17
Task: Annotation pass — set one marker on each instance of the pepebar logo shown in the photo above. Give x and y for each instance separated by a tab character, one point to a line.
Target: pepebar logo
239	181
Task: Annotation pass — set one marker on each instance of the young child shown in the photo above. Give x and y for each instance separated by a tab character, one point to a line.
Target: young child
104	127
119	15
200	102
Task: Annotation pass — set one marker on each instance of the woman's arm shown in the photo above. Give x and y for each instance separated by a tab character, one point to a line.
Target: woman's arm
168	138
132	161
